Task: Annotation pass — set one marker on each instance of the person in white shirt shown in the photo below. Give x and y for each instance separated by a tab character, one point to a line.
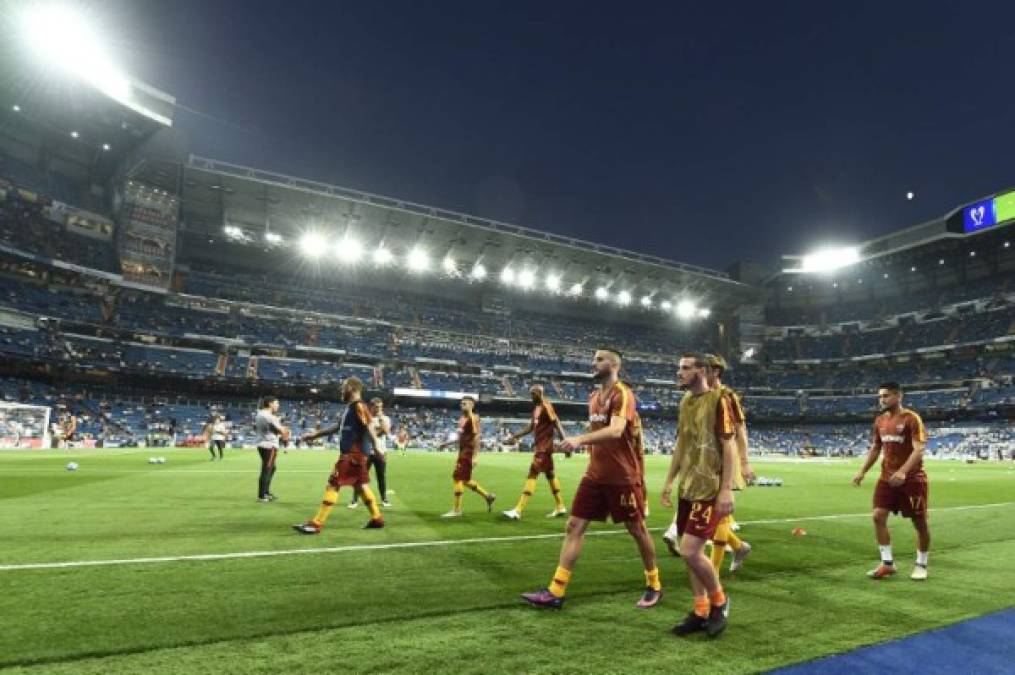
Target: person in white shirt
381	424
215	433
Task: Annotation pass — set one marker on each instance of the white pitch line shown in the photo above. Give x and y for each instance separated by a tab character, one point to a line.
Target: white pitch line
416	544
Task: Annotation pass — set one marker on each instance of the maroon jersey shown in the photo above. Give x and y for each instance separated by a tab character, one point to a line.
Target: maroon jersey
614	462
895	435
544	425
468	435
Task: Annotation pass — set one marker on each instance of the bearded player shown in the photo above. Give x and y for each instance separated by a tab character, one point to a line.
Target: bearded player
704	464
468	445
612	485
902	488
544	425
355	435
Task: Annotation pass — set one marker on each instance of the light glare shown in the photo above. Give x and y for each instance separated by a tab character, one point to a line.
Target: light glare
312	244
418	260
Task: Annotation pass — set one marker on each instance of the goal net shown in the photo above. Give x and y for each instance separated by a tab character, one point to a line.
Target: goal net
24	426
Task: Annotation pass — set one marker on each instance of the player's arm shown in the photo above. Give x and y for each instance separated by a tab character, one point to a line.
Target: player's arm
724	501
671	473
325	431
611	432
872	456
517	436
745	464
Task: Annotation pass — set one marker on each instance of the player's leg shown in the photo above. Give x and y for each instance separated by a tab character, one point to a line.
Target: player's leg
211	449
711	606
272	466
263	477
719	542
647	550
478	489
527	490
381	472
922	547
570	551
884	538
459	489
558	501
364	491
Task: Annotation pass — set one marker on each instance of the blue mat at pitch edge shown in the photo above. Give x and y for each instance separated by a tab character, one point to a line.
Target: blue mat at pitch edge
982	645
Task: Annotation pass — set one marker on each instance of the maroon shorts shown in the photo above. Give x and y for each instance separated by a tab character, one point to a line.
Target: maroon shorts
595	501
909	499
698	519
463	469
542	462
350	469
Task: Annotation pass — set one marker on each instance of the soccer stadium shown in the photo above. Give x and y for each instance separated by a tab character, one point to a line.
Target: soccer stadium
156	301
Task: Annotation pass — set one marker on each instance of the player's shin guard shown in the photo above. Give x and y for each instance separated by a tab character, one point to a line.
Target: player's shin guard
530	487
371	502
652	579
459	489
555	487
719	540
327	504
558	586
475	487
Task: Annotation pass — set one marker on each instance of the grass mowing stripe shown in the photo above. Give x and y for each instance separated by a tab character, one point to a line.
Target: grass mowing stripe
419	544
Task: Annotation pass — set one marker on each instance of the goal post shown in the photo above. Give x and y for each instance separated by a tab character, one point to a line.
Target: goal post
24	426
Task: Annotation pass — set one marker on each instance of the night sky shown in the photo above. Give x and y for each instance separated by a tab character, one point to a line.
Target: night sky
703	134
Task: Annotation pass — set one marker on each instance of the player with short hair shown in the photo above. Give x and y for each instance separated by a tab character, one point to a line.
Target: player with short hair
468	446
612	485
377	459
703	463
544	425
899	436
402	441
724	533
356	436
270	433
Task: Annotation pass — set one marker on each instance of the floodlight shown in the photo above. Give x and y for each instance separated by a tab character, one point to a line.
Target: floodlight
418	260
349	250
273	237
686	309
666	305
449	264
828	259
576	289
624	298
527	279
602	293
646	301
75	134
478	271
106	147
704	312
382	256
16	108
910	195
62	37
553	282
507	275
312	244
233	231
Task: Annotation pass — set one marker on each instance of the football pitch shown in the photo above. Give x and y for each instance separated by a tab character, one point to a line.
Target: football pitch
124	566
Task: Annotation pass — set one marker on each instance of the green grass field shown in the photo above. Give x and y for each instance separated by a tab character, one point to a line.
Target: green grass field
450	607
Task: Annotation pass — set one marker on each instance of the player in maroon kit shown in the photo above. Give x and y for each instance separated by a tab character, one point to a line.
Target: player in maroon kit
899	435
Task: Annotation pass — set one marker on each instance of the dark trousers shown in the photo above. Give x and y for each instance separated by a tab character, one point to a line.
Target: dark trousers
380	468
216	445
268	457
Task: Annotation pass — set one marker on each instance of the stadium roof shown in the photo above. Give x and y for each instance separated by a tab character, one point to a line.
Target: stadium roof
218	194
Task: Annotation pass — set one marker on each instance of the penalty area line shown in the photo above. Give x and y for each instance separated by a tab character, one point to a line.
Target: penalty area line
418	544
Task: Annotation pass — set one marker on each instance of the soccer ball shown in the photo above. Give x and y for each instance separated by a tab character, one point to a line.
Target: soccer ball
72	466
